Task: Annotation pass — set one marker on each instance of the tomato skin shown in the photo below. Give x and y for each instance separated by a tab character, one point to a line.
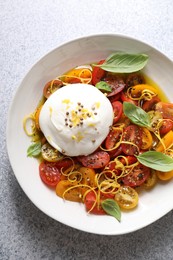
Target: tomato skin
73	194
90	200
118	110
98	73
54	84
137	176
125	98
132	133
49	173
95	160
166	110
116	83
147	139
65	163
128	160
166	126
126	197
115	97
112	138
150	104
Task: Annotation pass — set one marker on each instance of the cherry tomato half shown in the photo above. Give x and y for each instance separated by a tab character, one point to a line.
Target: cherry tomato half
118	110
112	138
137	176
166	110
126	197
125	98
51	87
95	160
98	73
150	104
90	200
166	126
116	83
49	173
132	134
69	191
50	154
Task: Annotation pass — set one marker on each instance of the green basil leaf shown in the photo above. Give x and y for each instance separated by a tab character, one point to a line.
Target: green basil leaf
156	160
124	62
34	149
112	208
136	114
103	86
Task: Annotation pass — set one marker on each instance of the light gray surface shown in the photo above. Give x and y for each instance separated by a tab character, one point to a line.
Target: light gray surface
29	29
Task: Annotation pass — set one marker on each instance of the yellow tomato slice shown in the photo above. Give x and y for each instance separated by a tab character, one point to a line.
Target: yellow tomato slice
146	139
136	91
151	180
167	140
69	191
165	176
126	197
50	154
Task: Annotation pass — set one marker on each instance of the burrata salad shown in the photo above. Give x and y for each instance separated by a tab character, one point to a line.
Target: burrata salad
101	133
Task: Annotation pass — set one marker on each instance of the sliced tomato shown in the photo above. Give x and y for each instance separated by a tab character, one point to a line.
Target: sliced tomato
147	139
137	176
134	79
128	160
118	110
150	104
132	134
116	83
98	73
49	173
125	98
112	138
69	191
95	160
115	97
90	201
115	152
65	163
51	87
166	110
126	197
50	154
166	126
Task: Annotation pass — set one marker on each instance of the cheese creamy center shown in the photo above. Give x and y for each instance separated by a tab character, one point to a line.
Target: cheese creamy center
76	119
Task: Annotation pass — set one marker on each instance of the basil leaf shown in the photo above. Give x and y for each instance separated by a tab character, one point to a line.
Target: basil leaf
103	86
112	208
136	114
124	62
156	160
34	149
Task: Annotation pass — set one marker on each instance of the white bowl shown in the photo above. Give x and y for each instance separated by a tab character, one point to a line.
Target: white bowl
153	204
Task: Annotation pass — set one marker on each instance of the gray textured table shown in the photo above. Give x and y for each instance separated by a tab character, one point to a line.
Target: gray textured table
29	29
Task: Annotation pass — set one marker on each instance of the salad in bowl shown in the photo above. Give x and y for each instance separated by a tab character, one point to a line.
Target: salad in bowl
92	135
102	132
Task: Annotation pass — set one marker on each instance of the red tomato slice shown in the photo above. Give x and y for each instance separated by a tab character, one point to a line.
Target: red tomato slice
98	73
114	153
166	127
95	160
125	98
112	138
116	83
166	110
49	173
115	97
130	160
133	134
150	104
118	110
90	200
137	176
65	163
